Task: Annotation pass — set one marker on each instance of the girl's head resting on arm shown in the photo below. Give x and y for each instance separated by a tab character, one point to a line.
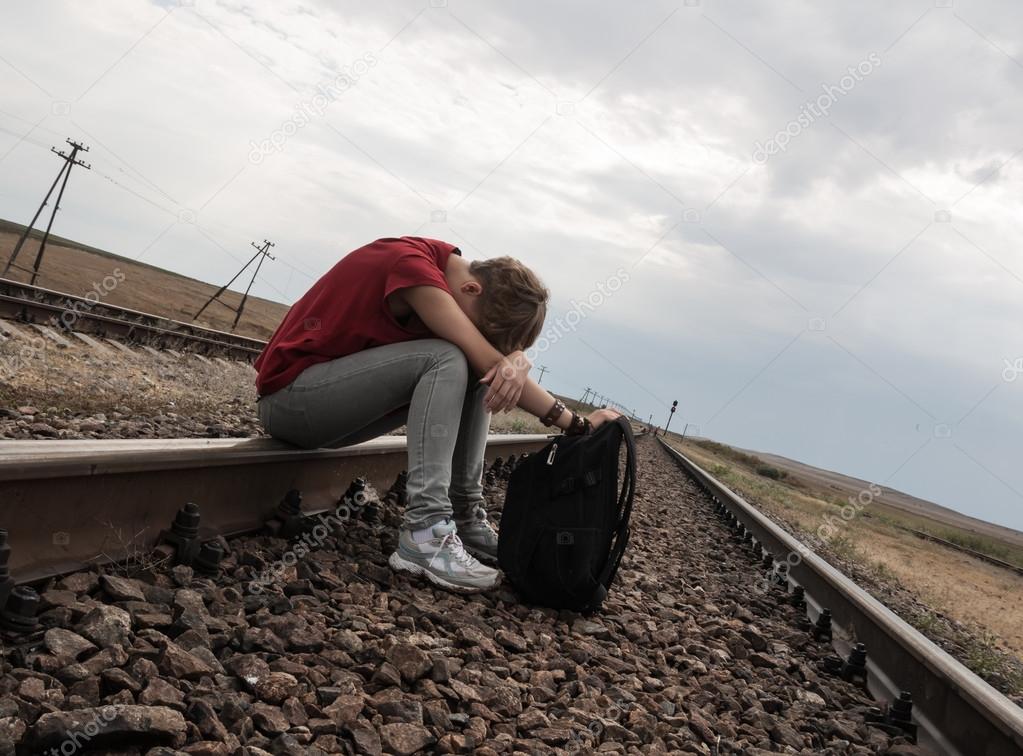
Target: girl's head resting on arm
506	300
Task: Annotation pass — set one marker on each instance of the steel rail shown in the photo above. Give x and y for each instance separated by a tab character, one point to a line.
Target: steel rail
67	504
33	302
958	713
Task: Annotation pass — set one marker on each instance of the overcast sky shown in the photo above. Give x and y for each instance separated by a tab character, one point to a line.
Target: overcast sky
815	204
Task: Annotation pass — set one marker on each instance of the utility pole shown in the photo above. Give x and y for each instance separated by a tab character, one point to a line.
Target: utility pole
262	253
684	433
539	378
65	172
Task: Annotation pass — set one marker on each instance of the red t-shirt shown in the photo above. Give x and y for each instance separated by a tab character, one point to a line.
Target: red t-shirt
346	310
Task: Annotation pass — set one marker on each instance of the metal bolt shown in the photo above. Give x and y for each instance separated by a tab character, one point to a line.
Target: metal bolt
19	612
822	629
902	707
183	535
798	598
856	664
291	504
208	560
186	521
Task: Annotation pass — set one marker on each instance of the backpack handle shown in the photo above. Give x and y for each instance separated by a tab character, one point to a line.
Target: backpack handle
622	530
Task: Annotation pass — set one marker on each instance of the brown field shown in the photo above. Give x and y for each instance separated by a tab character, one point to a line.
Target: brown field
73	268
909	506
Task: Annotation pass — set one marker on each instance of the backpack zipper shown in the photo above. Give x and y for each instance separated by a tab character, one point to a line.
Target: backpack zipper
550	457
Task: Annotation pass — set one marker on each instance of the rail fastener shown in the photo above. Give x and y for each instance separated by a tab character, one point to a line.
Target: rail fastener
821	629
289	521
895	719
18	615
181	541
798	597
851	669
207	561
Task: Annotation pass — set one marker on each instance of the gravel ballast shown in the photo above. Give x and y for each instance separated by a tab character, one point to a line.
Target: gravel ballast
334	653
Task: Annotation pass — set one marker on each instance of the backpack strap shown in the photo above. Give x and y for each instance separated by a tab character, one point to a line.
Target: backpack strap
622	530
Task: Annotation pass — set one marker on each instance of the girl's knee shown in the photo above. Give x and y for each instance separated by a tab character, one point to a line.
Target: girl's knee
450	359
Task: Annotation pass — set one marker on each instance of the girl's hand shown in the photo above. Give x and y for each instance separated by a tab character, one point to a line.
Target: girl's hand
506	379
601	416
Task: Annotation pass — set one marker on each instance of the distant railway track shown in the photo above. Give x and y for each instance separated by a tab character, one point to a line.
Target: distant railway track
924	535
957	712
70	314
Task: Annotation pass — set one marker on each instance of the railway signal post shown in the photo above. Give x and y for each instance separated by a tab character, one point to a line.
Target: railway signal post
674	406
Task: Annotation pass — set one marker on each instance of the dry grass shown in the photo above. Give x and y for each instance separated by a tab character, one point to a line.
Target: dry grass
986	600
516	421
129	554
81	382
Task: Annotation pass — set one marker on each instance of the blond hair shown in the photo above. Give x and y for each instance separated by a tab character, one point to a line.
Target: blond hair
513	304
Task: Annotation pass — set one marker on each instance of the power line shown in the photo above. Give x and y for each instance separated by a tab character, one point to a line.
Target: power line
147	184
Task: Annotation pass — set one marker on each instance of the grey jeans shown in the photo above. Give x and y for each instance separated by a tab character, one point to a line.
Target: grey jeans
424	384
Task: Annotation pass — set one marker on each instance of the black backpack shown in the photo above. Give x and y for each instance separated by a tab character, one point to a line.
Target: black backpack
565	523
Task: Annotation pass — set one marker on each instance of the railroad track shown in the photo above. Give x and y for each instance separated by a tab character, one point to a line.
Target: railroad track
956	711
60	501
673	651
924	535
73	314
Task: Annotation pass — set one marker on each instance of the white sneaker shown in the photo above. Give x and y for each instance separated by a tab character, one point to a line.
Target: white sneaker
479	537
443	560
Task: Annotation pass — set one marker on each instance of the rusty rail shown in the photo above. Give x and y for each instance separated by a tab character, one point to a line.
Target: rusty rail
67	504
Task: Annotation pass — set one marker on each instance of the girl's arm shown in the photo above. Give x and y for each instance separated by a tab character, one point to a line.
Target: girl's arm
509	384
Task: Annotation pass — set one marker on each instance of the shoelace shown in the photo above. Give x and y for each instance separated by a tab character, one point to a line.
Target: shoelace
462	556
